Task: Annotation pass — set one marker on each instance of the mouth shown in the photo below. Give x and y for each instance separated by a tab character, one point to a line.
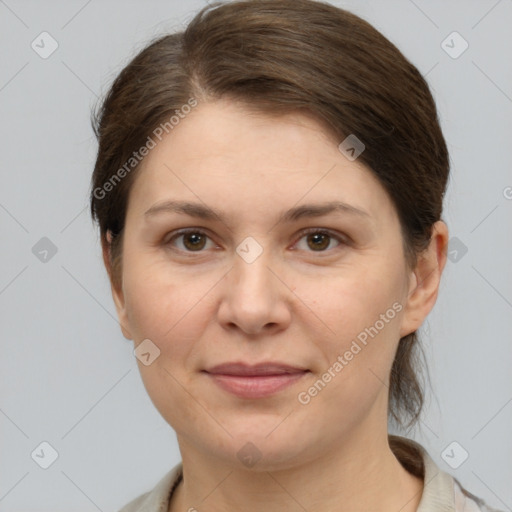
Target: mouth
255	381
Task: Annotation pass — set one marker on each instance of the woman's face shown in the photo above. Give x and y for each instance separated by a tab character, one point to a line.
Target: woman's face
252	286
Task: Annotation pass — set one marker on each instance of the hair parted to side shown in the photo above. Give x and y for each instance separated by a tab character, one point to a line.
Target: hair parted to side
280	56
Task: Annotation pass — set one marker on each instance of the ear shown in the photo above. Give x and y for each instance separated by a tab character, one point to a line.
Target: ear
425	280
117	290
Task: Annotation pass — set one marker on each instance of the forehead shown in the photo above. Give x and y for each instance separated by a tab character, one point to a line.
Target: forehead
233	155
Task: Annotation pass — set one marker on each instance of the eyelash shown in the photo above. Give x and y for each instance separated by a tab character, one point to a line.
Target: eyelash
342	240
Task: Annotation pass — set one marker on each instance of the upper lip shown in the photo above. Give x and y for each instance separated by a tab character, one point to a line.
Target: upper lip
265	368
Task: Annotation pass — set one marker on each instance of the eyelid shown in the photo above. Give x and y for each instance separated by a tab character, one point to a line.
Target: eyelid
339	237
343	239
186	231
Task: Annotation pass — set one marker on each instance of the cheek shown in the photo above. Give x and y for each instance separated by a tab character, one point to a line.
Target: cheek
168	307
169	311
364	315
360	313
153	300
348	301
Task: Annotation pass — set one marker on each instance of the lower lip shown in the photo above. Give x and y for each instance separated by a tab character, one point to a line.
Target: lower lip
257	386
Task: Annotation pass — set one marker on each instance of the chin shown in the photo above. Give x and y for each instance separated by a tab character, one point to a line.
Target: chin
259	451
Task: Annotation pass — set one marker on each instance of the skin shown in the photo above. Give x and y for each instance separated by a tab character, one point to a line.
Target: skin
296	303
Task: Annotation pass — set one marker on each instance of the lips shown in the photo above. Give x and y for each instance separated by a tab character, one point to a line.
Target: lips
255	381
244	369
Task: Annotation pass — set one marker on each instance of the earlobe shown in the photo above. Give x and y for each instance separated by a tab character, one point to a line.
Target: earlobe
118	296
425	280
116	288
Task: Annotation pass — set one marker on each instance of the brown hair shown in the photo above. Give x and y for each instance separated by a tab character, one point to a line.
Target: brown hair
279	56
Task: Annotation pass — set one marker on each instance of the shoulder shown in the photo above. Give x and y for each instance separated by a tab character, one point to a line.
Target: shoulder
441	491
157	499
467	502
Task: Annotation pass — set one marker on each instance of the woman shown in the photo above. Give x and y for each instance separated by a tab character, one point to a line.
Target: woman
269	187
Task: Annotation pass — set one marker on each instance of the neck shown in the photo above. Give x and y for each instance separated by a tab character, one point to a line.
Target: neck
362	473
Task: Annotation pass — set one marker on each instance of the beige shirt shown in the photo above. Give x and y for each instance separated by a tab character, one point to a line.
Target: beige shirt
441	491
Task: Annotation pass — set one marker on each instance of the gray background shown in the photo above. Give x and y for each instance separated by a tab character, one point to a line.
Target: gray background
68	377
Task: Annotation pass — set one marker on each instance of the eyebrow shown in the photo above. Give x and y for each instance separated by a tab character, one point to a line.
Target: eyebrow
201	211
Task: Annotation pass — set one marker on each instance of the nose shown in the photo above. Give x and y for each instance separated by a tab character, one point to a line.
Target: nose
255	297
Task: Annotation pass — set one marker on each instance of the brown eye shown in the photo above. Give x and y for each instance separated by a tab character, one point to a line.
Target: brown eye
319	240
193	240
